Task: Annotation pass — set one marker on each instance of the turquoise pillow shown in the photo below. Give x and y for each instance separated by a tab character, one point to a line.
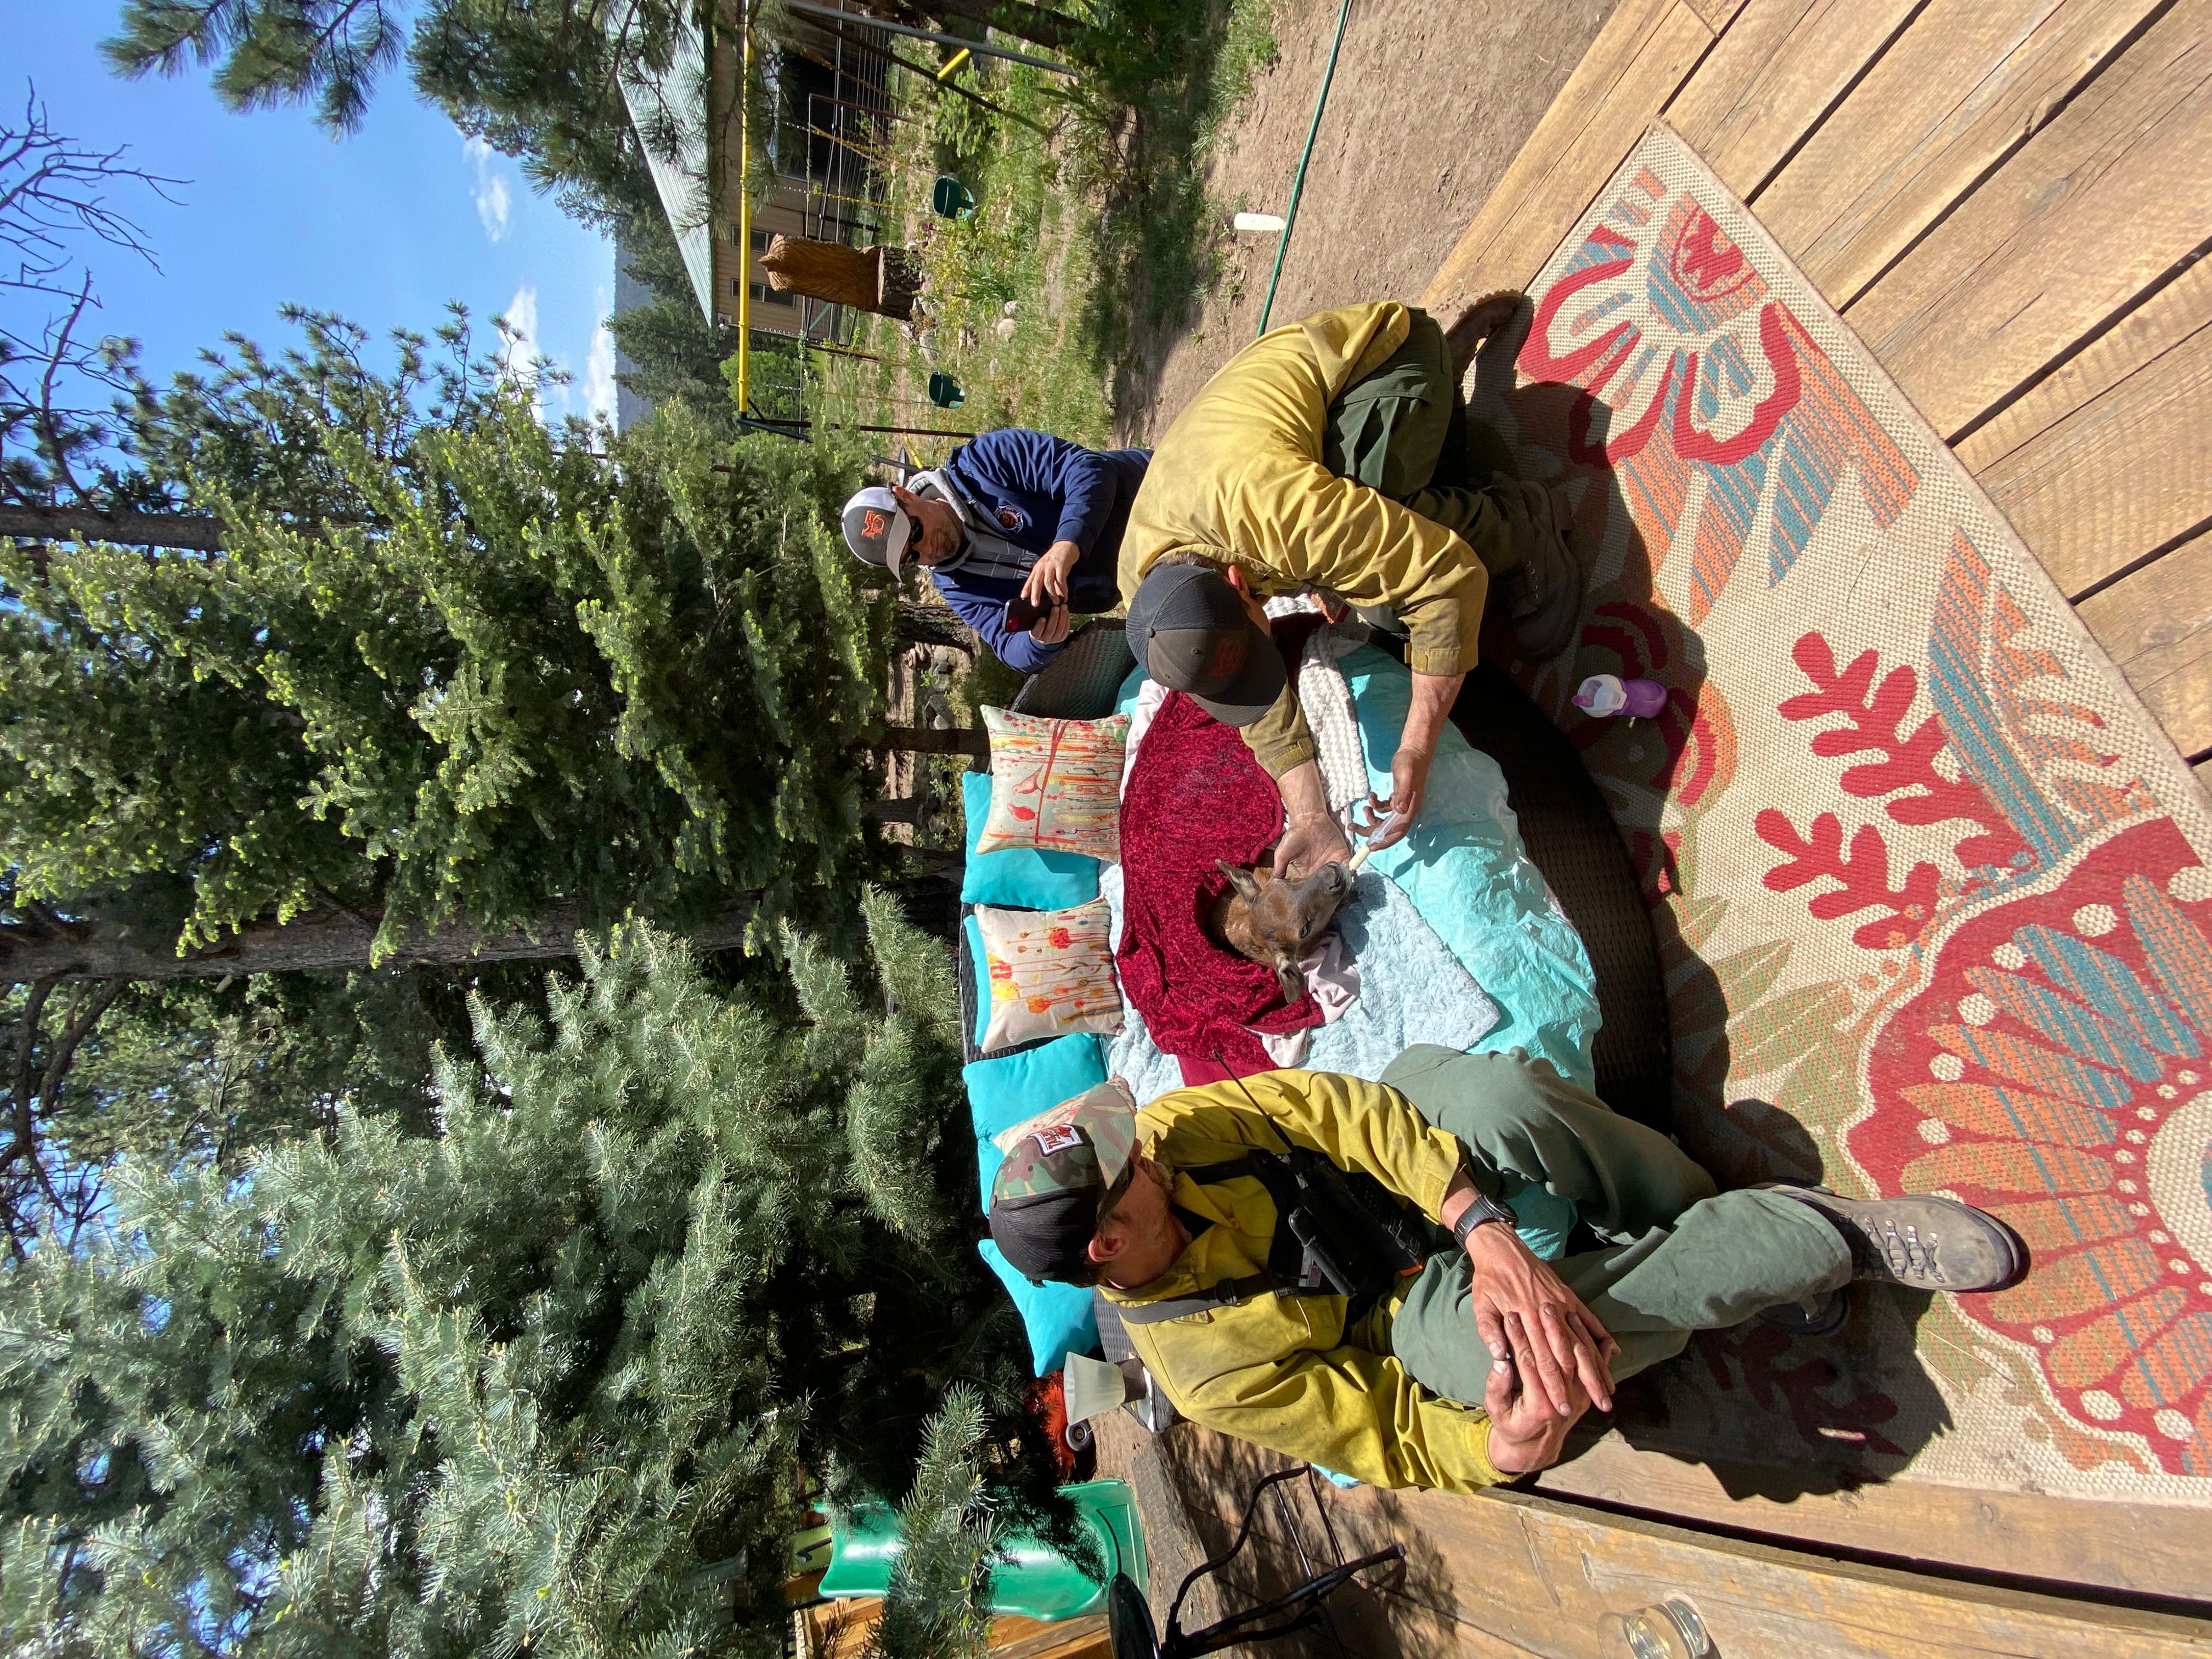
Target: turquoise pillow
1014	1088
1020	876
1058	1317
1002	1092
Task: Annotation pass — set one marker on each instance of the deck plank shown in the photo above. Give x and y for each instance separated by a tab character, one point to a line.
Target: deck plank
1770	78
2121	475
1717	14
2146	1549
2086	216
1645	50
2157	625
1968	83
1537	1573
2161	322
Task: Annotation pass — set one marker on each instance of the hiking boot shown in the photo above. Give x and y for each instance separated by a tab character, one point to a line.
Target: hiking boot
1543	594
1922	1243
1824	1316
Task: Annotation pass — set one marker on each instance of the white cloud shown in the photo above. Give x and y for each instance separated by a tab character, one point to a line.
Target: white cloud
495	199
600	363
521	343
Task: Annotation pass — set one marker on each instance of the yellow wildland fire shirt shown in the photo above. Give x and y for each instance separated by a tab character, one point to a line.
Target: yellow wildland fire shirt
1284	1371
1238	479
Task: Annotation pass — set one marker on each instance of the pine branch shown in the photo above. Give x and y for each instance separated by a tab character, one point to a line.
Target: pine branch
26	1038
66	1045
197	532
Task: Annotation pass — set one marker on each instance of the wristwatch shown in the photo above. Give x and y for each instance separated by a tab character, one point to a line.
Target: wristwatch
1481	1210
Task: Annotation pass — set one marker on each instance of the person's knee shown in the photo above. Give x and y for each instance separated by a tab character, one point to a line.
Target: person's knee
1641	1350
1731	1257
1433	1334
1477	1096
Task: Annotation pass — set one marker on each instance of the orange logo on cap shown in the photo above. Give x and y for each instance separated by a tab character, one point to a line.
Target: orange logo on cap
873	523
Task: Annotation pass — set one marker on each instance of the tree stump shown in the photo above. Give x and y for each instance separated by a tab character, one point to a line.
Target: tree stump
882	280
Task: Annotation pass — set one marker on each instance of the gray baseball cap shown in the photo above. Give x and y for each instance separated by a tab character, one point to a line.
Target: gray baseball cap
876	528
1190	630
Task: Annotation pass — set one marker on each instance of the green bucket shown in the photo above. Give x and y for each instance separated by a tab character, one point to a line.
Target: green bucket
950	199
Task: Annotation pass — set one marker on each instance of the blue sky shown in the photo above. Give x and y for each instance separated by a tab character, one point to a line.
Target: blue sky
383	227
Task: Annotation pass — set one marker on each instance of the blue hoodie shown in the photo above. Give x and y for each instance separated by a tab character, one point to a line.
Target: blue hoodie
1042	489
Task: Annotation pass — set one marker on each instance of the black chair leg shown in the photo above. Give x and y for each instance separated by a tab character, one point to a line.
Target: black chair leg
1296	1609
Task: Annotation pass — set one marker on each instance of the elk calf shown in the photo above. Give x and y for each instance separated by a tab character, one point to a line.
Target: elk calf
1278	922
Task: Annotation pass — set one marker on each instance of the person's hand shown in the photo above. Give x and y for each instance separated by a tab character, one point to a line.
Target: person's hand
1310	841
1409	784
1051	627
1524	1313
1527	1428
1046	583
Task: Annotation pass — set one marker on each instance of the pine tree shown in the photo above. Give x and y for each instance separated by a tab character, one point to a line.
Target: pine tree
197	1073
551	1375
677	355
933	1608
450	668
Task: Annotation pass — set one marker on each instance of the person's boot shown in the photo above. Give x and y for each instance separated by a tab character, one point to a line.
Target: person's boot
1922	1243
1543	594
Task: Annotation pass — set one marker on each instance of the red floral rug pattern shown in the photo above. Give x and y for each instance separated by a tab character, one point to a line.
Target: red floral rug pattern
1935	891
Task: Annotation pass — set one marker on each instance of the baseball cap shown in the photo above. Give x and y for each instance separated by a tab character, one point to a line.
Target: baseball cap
1190	630
1044	1200
876	528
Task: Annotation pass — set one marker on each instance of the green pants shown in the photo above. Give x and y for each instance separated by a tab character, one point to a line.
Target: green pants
1403	431
1683	1258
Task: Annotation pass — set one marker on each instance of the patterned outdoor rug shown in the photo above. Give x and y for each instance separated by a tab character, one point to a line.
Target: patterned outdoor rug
1932	887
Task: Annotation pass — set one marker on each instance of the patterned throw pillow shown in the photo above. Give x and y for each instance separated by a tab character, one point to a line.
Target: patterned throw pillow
1050	972
1055	785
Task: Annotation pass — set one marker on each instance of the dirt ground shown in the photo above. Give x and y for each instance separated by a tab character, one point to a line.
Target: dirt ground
1430	103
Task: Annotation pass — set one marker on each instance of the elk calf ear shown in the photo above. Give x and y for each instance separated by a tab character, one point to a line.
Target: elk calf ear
1246	884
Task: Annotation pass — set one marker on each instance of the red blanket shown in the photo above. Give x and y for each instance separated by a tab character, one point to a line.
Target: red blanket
1197	795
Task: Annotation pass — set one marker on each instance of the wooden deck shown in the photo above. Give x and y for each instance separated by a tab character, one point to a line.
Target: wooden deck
2007	199
1525	1573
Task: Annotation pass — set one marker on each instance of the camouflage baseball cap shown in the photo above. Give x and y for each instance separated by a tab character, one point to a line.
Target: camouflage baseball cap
1058	1164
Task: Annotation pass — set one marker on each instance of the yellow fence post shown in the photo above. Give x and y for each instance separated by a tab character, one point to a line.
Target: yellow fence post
744	220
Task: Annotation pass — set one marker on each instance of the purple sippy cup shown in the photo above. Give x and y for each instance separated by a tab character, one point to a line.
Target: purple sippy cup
1602	694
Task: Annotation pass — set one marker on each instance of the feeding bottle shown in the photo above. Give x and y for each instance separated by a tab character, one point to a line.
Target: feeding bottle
1609	694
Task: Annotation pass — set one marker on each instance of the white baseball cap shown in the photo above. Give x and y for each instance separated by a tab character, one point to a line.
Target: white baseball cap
876	528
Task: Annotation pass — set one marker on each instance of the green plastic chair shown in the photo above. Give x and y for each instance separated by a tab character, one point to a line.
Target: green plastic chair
945	391
1033	1581
950	199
